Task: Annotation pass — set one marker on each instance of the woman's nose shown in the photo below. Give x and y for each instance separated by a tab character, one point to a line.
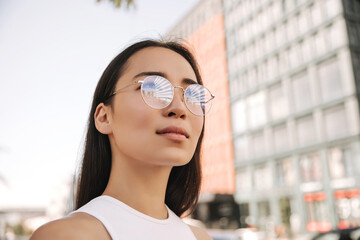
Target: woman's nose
177	107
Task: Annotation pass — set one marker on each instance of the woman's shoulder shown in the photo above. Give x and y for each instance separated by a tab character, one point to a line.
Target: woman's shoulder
75	226
200	233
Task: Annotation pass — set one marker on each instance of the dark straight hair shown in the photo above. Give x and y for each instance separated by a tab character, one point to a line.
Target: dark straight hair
184	181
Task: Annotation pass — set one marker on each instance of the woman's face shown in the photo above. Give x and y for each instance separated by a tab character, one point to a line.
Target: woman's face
149	135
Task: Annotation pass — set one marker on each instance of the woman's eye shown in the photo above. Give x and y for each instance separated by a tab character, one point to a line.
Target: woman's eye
138	88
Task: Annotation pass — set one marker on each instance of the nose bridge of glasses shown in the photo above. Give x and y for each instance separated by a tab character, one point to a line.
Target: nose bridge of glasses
183	92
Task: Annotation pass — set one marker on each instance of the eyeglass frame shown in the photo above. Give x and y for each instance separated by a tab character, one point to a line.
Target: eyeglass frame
142	81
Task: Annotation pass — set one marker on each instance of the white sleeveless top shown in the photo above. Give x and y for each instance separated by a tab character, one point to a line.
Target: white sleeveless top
124	222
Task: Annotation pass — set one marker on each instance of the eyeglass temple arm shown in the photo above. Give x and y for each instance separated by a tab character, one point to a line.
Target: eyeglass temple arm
212	97
135	82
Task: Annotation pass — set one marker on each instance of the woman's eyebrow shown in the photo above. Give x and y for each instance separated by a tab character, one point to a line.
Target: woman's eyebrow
189	81
150	74
162	74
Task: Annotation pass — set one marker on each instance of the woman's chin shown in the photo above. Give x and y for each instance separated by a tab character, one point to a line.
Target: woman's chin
173	162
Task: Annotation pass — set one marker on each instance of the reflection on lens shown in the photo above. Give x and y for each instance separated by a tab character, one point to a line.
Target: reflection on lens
197	99
157	92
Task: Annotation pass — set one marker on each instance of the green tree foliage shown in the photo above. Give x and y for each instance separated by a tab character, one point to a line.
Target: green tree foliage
20	229
119	3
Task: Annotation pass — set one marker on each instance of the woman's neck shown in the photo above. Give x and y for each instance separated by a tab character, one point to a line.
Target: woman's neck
140	186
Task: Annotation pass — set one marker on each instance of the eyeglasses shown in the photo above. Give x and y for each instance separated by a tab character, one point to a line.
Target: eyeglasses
158	93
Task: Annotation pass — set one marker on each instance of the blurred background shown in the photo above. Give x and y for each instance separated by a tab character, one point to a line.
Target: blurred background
281	155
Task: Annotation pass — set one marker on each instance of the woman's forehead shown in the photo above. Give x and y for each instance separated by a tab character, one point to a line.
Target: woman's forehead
160	59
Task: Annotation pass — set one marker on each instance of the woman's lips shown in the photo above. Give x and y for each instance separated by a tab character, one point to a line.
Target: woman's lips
174	133
173	136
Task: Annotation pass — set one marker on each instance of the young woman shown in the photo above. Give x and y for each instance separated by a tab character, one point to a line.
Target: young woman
141	165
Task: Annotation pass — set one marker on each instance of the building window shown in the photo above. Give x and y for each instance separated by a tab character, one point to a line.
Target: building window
353	33
281	139
280	35
320	44
239	61
247	34
258	144
285	172
310	168
307	49
335	122
238	116
243	180
243	83
295	56
269	42
255	26
256	109
292	29
301	92
244	214
242	7
290	5
300	2
356	62
273	67
316	14
350	6
347	203
248	54
340	162
330	80
262	177
231	65
257	49
250	28
317	212
332	7
236	11
260	22
278	102
232	87
253	78
260	47
262	72
306	131
337	35
303	22
229	41
242	61
277	11
264	214
283	62
241	148
285	207
240	35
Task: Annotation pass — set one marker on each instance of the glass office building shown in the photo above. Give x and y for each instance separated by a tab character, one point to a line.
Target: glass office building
294	73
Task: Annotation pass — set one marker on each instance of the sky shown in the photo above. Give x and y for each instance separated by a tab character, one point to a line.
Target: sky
52	54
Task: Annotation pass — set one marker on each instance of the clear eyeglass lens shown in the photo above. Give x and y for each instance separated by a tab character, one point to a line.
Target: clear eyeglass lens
197	99
158	93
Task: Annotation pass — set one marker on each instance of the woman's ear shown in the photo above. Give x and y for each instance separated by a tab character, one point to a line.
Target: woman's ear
101	117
